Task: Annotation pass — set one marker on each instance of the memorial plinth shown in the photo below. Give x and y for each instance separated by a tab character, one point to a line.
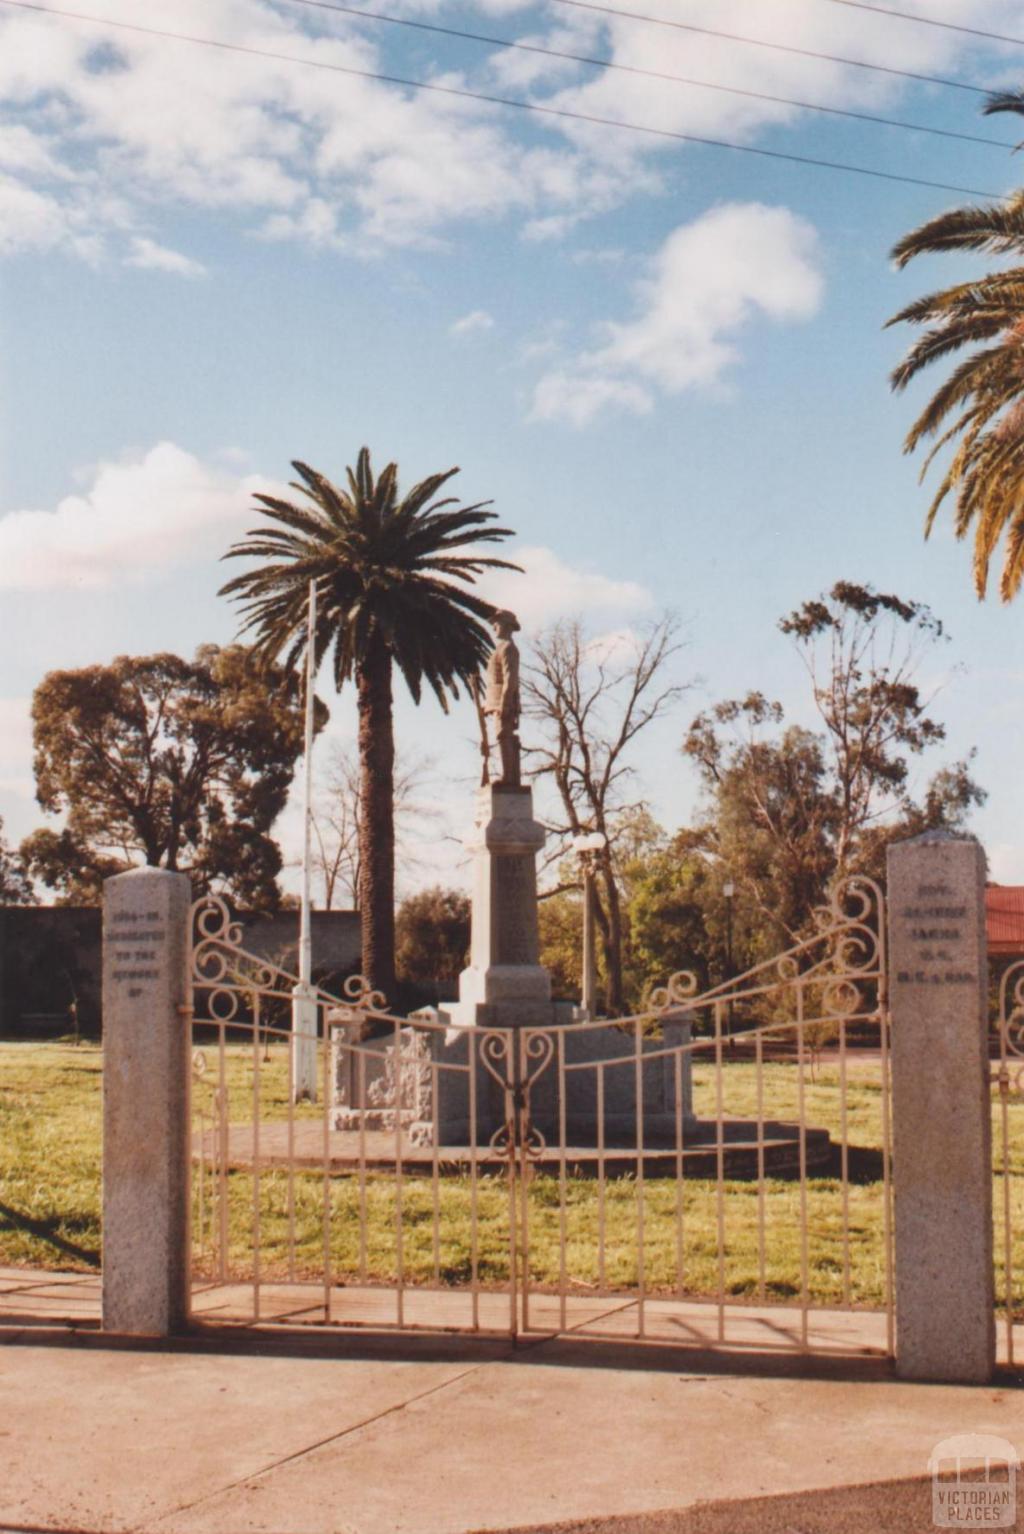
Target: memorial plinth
505	984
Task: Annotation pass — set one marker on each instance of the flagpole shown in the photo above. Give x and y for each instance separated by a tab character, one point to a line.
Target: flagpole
304	1004
305	925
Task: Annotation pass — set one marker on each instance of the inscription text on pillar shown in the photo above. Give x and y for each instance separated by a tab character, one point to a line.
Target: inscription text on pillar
932	930
138	938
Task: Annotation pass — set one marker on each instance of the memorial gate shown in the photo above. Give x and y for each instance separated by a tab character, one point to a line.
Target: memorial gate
797	1160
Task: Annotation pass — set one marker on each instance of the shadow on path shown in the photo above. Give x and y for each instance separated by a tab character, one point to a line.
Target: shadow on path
556	1351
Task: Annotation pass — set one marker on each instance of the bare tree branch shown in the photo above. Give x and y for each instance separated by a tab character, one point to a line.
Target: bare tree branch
590	699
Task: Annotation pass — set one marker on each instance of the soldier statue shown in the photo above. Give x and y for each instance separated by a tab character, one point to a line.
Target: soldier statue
501	696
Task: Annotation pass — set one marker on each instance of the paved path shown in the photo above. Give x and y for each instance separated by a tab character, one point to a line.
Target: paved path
304	1146
306	1431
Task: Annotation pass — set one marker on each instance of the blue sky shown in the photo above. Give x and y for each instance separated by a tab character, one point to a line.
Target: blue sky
664	363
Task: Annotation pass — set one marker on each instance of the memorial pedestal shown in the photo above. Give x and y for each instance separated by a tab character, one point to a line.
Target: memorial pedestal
505	984
419	1079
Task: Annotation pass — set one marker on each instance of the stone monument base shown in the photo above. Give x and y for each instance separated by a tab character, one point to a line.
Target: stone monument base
454	1077
586	1082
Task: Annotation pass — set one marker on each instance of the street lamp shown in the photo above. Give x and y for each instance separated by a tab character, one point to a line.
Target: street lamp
585	845
728	890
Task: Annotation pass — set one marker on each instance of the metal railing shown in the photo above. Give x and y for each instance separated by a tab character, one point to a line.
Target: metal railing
1009	1117
659	1176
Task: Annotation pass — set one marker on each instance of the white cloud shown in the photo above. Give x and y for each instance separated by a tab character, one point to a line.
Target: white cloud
800	24
550	589
614	647
158	258
23	150
577	395
476	319
710	278
162	511
308	153
32	220
138	519
119	123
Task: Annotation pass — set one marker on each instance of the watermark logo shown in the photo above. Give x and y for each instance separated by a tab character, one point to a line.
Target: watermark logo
974	1482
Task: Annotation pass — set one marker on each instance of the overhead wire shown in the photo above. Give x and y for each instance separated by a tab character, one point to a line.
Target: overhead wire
561	113
651	74
930	21
760	42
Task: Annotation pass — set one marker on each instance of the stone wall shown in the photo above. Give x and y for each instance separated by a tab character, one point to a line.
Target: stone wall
50	956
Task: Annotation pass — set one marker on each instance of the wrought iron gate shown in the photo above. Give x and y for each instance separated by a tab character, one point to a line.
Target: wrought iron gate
1008	1161
713	1170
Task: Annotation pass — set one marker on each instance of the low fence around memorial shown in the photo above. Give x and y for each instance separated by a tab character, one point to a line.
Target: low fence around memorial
713	1170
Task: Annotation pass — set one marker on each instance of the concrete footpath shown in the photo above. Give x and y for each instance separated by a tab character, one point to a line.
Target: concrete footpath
305	1431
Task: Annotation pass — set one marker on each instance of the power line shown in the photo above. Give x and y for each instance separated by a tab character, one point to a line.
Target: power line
930	21
760	42
502	101
650	74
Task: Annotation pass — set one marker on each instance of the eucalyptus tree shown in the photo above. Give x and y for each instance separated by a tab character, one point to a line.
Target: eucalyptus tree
386	568
181	764
980	407
790	811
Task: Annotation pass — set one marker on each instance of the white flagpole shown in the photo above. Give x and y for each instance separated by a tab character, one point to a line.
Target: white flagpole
304	1007
305	933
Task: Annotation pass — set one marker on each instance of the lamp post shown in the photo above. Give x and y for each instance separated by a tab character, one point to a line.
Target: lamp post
728	890
585	846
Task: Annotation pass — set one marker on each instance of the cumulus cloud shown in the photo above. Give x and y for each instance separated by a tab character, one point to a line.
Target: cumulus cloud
676	50
104	126
577	394
32	219
159	512
137	519
315	153
158	258
551	589
477	319
708	281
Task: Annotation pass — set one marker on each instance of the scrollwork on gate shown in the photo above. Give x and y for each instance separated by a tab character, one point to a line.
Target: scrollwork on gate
515	1059
838	962
360	995
230	975
1011	1028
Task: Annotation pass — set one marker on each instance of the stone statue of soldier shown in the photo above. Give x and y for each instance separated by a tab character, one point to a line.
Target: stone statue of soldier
501	696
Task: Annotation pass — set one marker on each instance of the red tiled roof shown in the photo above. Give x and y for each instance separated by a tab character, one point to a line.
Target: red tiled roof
1004	918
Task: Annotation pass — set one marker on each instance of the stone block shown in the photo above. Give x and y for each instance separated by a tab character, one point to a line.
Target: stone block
942	1154
147	1051
504	983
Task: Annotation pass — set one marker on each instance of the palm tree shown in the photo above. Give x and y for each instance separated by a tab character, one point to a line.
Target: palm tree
982	401
380	563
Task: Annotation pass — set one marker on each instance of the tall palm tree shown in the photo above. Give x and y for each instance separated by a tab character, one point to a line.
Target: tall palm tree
982	401
380	562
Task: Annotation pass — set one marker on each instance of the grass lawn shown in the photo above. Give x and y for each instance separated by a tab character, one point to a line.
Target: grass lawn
50	1195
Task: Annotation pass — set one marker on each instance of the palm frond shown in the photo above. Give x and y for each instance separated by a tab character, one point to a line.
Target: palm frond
390	569
1003	101
997	227
980	405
